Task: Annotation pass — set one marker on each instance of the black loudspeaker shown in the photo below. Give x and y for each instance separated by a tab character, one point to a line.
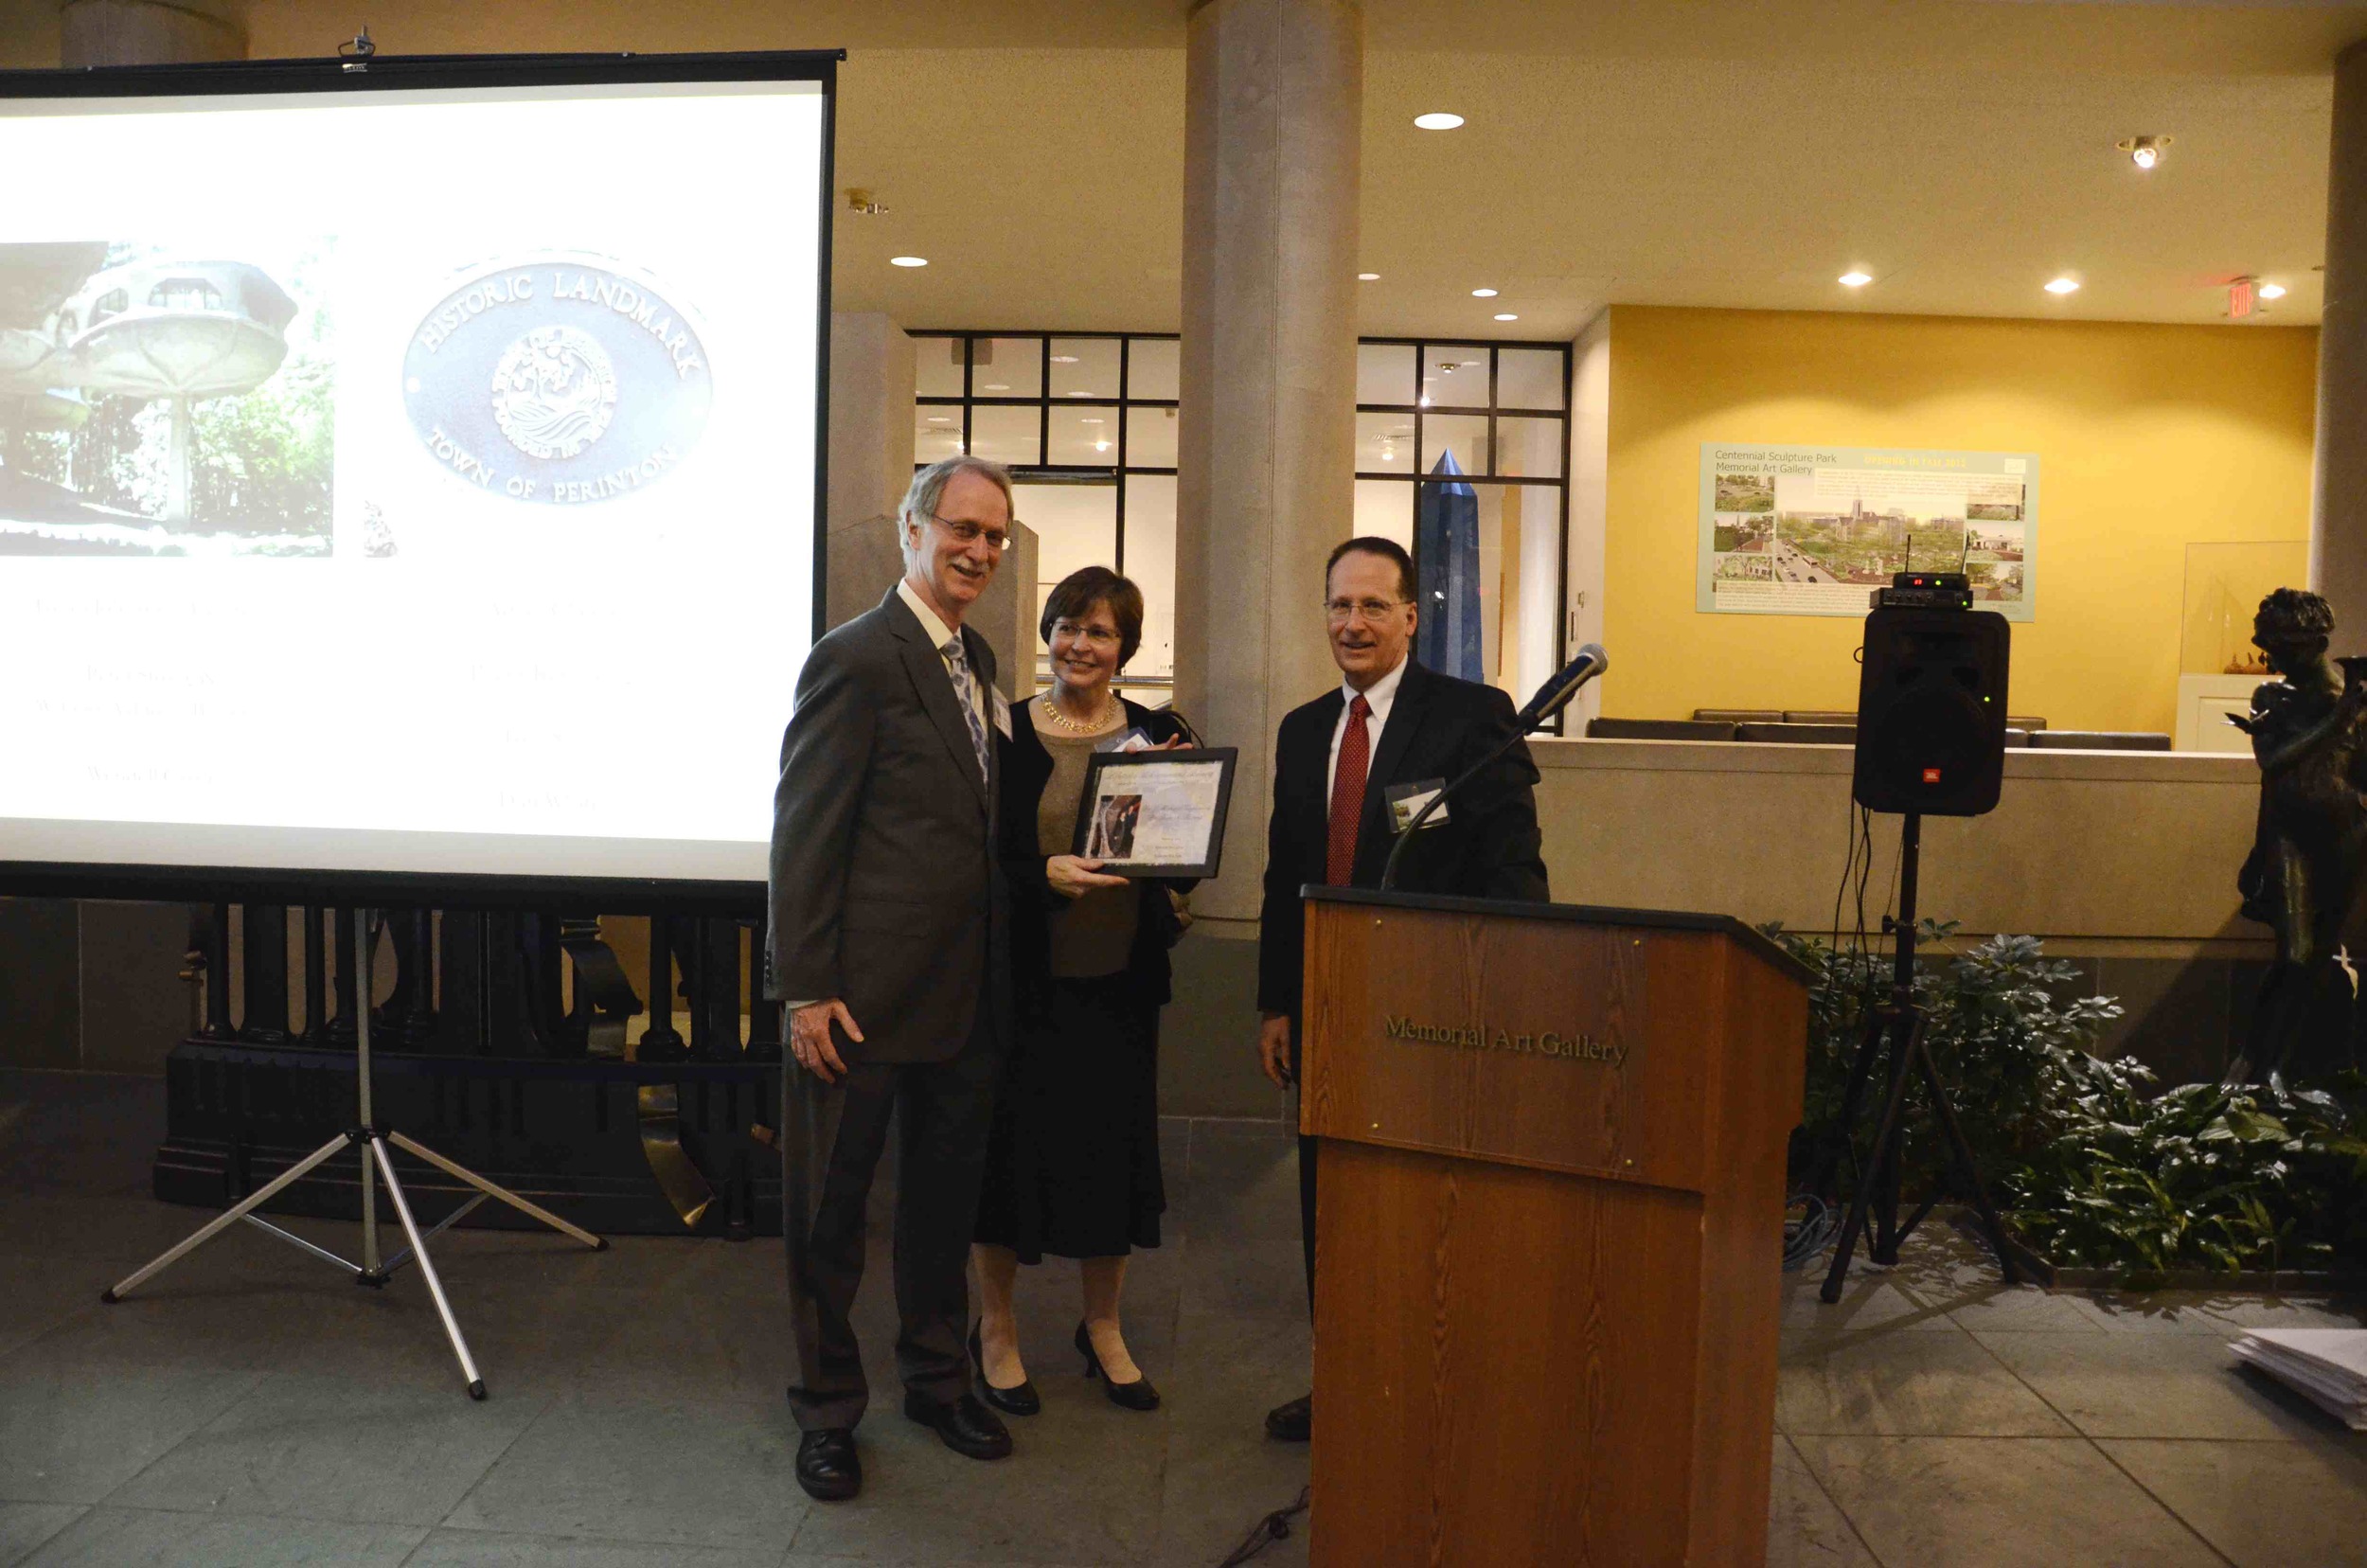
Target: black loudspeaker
1931	712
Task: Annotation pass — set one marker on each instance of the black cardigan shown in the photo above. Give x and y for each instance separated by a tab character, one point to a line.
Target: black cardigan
1027	768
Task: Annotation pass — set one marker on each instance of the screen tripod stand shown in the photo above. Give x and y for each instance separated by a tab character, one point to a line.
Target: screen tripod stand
1901	1021
372	1141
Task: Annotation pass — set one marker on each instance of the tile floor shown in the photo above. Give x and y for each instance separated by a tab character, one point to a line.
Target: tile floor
250	1408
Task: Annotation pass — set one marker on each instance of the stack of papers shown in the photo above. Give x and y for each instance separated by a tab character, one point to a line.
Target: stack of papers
2329	1365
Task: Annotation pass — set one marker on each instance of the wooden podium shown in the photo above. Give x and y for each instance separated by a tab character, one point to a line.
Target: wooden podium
1549	1229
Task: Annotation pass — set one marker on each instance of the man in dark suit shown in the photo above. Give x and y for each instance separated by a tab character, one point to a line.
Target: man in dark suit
887	952
1390	723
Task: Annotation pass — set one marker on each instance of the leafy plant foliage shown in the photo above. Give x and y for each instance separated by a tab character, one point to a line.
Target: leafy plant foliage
2096	1167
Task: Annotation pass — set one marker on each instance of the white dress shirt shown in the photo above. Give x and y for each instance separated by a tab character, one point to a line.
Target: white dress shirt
1382	696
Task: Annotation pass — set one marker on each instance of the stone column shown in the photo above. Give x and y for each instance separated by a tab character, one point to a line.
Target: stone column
1266	472
141	32
2338	523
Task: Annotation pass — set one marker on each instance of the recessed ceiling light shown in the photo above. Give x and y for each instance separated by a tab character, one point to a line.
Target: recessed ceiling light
2273	291
1064	359
1368	278
940	419
2063	286
2145	151
908	261
1855	279
1482	293
1506	315
1089	418
1081	394
1438	122
998	386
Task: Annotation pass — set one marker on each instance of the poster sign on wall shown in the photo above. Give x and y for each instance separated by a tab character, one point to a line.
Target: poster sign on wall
1808	531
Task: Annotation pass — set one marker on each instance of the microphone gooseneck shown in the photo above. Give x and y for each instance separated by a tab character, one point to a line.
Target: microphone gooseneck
1551	699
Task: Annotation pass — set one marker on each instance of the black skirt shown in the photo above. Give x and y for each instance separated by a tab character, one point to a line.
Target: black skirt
1073	1162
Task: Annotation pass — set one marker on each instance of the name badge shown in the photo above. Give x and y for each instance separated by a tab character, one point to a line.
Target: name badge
1407	800
1002	716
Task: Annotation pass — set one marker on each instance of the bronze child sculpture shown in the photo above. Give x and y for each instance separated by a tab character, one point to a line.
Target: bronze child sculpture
2310	733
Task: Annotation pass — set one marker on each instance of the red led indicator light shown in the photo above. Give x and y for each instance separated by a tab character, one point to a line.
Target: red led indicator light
1931	775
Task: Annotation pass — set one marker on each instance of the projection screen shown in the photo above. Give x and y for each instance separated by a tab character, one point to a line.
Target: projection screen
409	472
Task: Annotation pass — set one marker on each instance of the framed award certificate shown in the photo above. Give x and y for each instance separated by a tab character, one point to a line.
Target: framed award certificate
1156	813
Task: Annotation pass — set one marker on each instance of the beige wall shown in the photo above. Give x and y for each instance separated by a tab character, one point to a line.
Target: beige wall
2099	851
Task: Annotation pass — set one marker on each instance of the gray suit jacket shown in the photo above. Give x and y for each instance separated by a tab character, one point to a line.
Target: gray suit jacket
884	885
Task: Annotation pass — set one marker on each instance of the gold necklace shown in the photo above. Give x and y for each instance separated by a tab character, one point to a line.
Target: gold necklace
1052	710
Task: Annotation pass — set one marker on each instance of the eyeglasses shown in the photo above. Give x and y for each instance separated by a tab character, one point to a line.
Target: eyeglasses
969	533
1370	611
1100	637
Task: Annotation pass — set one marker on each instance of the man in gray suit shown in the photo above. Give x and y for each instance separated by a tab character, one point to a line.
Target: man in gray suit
887	934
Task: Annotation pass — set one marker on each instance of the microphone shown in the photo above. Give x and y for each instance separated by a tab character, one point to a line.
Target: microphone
1556	693
1551	699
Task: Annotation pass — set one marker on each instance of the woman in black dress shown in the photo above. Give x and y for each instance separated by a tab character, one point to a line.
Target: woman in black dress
1073	1163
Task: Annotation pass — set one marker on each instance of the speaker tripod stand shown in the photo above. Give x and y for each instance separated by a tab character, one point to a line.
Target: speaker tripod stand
1901	1022
373	1142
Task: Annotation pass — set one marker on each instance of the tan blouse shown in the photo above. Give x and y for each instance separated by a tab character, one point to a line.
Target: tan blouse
1092	934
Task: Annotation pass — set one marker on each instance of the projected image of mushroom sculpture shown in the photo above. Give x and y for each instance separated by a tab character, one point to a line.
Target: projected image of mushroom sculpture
176	331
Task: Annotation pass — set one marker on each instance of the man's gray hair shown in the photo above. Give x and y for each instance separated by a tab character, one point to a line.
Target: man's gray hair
928	486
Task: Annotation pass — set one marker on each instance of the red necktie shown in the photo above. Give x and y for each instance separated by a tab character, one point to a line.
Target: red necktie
1347	795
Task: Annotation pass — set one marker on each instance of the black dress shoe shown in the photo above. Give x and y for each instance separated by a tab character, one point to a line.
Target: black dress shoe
827	1465
1291	1423
969	1427
1137	1395
1019	1400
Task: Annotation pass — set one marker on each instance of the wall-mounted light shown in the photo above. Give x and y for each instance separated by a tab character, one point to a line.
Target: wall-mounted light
2145	151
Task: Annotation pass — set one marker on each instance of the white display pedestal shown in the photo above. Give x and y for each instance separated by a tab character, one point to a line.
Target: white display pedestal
2203	703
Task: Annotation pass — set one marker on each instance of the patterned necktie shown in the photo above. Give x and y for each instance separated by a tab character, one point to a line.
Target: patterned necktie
966	692
1347	795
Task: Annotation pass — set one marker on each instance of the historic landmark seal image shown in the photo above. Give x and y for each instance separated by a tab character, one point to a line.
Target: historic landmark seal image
557	380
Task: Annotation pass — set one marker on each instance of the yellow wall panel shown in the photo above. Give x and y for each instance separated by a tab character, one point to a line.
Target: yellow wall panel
2149	439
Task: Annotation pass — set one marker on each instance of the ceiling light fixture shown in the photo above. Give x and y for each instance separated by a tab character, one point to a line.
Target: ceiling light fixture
1854	278
908	261
1482	293
1064	359
2145	151
1368	278
1506	315
1438	121
2063	286
2273	291
998	386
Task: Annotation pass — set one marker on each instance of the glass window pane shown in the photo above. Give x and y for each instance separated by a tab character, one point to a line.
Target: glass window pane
1454	375
1385	506
1006	367
1463	435
938	366
936	432
1150	437
1150	561
1384	443
1384	372
1084	435
1530	449
1075	525
1529	378
1006	434
1151	368
1084	367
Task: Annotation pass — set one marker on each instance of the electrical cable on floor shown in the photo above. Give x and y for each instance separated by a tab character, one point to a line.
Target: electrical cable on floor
1274	1526
1806	1239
